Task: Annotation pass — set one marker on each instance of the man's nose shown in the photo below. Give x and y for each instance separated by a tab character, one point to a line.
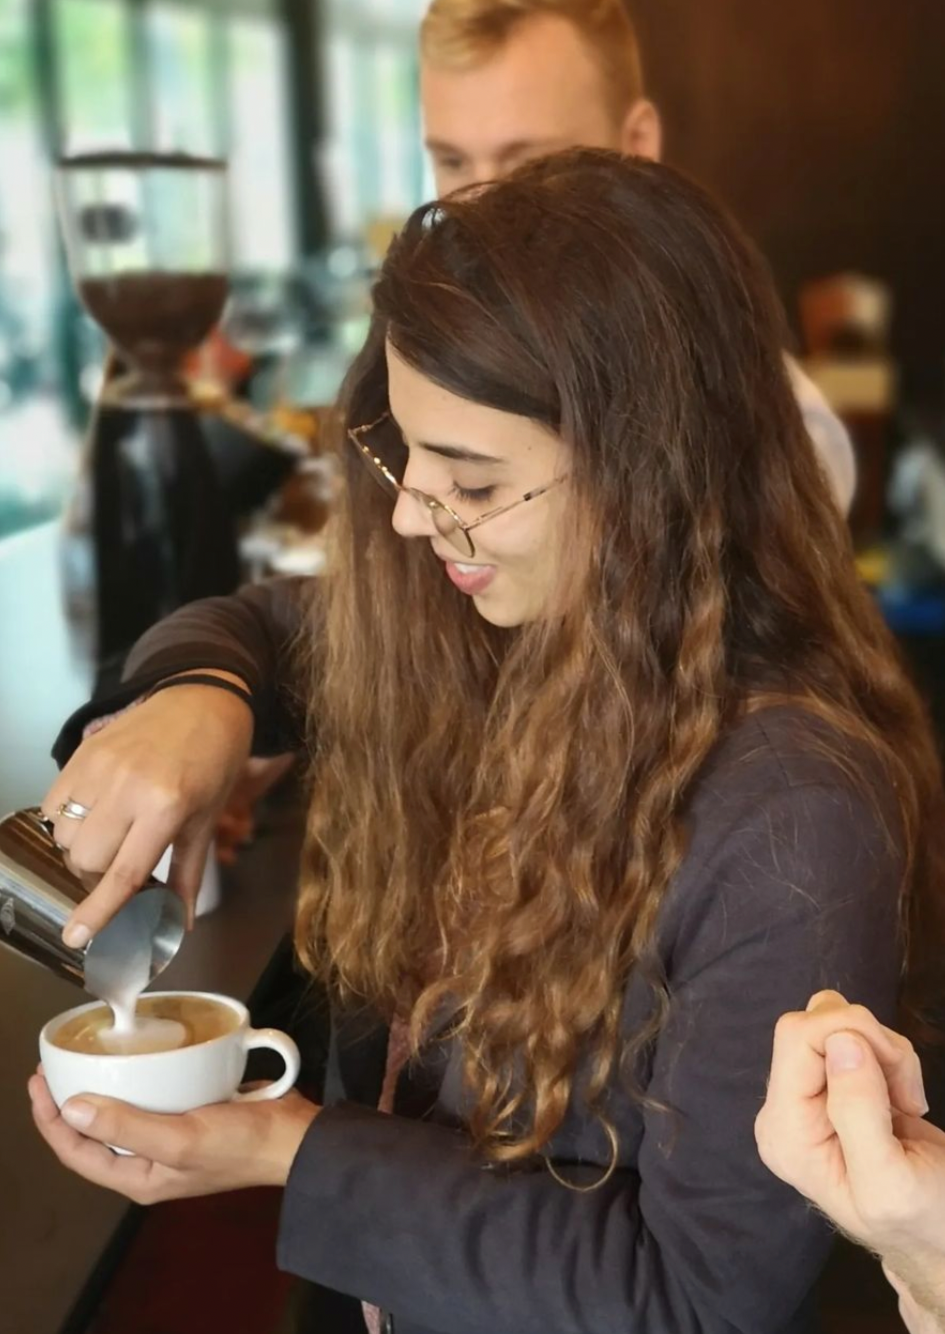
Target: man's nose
483	174
476	176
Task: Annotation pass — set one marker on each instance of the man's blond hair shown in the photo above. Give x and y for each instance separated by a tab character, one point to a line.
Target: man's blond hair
459	34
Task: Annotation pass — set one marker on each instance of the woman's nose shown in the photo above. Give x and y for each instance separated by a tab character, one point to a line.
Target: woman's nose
411	518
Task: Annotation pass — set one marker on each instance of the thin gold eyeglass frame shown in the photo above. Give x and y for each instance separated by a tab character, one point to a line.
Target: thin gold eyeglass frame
445	519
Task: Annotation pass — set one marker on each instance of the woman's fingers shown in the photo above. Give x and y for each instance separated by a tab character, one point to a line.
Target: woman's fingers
128	869
191	849
159	1138
156	775
66	829
84	780
90	1159
94	842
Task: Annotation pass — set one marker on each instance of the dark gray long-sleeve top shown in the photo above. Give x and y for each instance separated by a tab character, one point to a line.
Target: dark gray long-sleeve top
790	885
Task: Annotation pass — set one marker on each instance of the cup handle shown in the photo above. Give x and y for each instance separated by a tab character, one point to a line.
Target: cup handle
283	1044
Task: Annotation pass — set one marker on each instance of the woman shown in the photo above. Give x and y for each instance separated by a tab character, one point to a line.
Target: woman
612	764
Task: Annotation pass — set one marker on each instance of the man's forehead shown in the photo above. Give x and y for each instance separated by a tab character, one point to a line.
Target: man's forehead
474	141
544	62
486	108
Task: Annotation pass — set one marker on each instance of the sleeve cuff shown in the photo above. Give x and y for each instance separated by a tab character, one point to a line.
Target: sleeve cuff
343	1223
270	737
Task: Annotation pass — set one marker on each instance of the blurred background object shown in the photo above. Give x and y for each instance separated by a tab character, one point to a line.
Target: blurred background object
146	235
845	324
314	109
811	121
821	126
847	312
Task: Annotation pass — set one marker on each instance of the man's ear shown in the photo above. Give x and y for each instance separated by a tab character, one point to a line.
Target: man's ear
641	134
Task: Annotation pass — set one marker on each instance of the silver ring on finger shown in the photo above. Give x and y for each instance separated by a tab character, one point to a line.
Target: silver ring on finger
74	810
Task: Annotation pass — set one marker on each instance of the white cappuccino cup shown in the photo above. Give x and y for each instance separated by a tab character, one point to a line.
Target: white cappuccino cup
207	1069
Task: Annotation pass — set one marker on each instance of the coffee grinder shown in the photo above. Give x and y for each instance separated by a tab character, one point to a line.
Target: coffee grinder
146	237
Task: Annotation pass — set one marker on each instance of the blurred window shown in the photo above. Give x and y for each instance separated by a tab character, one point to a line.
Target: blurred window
179	44
374	165
260	167
36	443
93	59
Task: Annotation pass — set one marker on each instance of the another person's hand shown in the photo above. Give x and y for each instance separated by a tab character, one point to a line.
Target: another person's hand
917	1319
842	1123
158	774
237	821
227	1146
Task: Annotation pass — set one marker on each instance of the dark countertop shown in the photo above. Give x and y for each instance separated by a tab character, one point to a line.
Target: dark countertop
55	1227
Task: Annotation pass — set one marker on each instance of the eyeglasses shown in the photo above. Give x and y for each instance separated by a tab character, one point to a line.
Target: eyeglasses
445	520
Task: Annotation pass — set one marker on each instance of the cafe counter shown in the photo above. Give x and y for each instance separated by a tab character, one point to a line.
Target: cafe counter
59	1235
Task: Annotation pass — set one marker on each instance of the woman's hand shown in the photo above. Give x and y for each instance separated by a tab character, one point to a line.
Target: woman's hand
227	1146
842	1123
158	774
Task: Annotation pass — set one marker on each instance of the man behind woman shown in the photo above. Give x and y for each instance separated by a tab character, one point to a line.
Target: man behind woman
505	81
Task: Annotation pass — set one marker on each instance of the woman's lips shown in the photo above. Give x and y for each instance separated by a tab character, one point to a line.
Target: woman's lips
471	579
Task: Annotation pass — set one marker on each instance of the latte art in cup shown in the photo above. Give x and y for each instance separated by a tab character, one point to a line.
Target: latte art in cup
210	1036
161	1023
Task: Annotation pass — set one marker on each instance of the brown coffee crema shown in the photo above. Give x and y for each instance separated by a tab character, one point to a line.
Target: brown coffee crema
163	1023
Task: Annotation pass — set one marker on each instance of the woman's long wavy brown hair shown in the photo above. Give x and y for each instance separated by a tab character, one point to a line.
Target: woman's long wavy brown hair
497	814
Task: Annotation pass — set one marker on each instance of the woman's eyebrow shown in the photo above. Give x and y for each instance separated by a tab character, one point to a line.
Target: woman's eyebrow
456	452
459	454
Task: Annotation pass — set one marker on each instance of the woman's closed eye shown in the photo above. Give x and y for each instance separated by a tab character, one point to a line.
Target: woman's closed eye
478	495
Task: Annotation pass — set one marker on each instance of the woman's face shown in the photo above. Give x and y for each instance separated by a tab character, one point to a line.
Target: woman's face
475	459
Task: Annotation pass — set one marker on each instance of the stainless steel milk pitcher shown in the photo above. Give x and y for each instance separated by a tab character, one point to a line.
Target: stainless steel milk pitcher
38	893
